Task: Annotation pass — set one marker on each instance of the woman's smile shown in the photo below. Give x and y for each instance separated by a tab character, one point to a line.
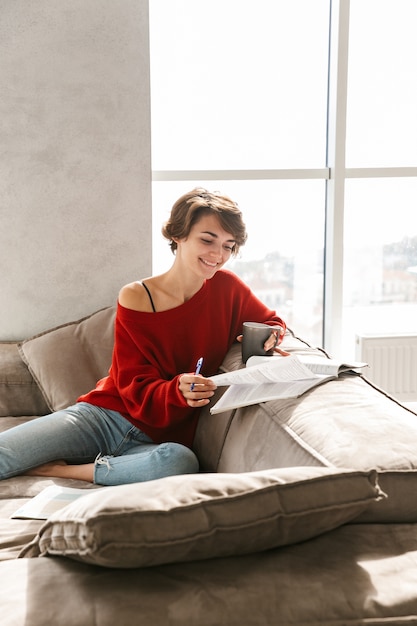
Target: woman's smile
211	264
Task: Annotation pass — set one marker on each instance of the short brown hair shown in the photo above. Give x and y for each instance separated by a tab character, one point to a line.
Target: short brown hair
193	205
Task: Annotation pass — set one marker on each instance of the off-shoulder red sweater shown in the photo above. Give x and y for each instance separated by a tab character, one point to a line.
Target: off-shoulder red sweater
152	350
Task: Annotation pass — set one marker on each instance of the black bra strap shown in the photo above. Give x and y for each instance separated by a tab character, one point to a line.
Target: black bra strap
150	297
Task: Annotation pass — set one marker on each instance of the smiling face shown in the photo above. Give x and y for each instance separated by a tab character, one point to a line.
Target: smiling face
207	247
193	205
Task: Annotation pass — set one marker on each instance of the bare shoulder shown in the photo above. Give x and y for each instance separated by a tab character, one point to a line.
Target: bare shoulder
133	296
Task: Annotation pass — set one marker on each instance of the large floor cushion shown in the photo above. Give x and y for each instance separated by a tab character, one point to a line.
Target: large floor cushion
203	516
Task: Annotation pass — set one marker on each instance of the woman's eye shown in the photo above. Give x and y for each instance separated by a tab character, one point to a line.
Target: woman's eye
208	242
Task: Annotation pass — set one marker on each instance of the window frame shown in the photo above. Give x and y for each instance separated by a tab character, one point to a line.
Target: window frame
334	174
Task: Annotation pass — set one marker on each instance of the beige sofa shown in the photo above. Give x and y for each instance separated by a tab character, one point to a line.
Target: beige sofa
304	512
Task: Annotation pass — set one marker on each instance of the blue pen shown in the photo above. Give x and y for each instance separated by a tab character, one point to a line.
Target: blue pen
197	370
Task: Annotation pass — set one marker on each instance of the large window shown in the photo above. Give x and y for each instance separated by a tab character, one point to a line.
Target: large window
283	258
380	237
238	84
382	84
240	103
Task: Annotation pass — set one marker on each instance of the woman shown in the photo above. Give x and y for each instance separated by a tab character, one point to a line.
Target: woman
139	422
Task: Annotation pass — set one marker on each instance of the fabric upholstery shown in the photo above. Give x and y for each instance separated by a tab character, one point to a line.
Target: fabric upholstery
19	393
186	518
346	422
67	361
356	575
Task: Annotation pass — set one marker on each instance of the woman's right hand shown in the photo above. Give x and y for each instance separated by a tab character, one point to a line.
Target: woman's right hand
196	389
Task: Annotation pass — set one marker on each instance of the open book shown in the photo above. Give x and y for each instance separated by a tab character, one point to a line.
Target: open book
48	501
276	377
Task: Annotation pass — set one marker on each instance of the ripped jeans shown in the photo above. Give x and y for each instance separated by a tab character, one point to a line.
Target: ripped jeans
84	433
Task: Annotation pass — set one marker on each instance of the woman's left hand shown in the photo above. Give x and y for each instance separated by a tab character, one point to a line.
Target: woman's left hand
272	342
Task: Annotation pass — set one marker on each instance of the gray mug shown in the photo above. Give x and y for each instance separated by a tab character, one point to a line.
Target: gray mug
254	336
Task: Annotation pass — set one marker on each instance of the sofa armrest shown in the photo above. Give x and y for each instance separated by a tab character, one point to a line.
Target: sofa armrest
19	393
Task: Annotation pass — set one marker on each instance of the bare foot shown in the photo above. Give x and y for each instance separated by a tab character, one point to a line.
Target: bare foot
61	469
53	468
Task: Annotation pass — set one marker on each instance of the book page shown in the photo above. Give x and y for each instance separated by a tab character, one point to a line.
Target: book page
274	369
237	396
320	365
48	501
275	377
316	364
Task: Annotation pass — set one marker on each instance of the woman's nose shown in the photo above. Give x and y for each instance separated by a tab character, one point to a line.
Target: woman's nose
217	252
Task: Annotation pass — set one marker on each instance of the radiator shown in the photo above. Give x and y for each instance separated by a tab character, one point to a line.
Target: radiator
392	363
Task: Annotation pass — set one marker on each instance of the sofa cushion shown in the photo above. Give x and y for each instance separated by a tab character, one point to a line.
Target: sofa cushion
355	575
186	518
347	422
67	361
344	423
271	445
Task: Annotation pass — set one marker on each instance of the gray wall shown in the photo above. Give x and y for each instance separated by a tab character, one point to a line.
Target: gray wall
75	177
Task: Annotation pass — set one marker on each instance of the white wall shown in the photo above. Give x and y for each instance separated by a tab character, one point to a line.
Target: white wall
75	177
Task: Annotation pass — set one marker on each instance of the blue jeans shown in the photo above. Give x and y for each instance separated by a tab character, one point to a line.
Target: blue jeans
84	433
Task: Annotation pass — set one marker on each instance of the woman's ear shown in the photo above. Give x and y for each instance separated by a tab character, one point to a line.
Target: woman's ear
179	240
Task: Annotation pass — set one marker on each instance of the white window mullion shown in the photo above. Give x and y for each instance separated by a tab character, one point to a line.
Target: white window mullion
335	186
281	174
381	172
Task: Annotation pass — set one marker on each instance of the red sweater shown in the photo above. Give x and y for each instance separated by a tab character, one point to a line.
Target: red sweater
152	350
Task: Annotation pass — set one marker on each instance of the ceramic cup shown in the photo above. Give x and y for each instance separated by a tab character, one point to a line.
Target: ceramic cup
254	336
